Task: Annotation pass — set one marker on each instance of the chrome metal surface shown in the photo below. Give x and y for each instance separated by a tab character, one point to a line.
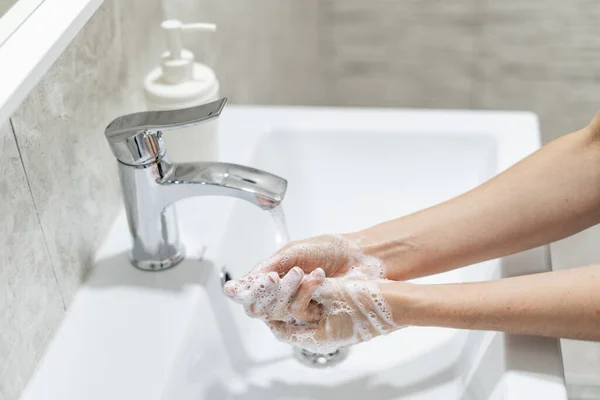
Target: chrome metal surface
224	276
136	139
316	360
151	184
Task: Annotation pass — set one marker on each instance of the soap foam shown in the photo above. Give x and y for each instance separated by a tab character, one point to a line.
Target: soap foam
353	309
265	295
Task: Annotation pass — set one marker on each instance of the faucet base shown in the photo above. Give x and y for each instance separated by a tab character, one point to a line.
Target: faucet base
153	265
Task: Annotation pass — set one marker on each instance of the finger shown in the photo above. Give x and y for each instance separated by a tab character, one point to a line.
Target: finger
301	306
333	289
281	330
287	288
254	310
273	276
238	290
286	332
280	263
261	296
229	288
248	288
302	336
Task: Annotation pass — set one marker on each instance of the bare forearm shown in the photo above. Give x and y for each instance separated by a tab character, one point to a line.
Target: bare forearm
551	194
558	304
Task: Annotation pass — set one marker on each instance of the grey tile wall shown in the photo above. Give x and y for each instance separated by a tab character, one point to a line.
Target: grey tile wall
563	106
31	304
58	182
60	132
537	40
5	5
543	57
514	54
401	53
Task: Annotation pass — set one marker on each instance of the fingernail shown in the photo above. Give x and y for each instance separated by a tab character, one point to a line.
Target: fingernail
273	276
229	289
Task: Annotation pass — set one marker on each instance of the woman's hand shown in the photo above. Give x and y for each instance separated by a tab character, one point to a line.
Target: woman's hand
336	255
284	283
266	296
352	310
320	294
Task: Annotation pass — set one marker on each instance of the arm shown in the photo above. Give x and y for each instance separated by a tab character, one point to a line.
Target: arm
550	195
558	304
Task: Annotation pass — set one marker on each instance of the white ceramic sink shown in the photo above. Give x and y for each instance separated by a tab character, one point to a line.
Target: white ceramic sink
172	335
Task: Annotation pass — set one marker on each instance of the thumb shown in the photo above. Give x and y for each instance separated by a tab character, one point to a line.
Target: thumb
302	306
281	263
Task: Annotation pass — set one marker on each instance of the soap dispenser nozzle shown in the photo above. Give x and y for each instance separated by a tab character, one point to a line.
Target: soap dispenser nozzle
178	63
173	29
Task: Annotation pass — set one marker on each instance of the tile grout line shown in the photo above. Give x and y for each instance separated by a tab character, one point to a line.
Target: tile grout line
327	50
478	17
323	66
37	214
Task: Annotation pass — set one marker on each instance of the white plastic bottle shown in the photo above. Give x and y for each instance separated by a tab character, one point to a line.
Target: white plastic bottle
180	82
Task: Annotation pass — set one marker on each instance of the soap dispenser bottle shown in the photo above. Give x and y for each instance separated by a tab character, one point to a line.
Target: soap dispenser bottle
180	82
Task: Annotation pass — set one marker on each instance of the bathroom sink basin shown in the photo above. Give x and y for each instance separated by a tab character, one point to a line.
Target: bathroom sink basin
173	335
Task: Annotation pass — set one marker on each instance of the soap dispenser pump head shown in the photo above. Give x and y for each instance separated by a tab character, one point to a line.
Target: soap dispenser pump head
177	62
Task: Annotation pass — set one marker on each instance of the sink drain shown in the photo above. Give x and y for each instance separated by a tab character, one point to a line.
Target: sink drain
317	360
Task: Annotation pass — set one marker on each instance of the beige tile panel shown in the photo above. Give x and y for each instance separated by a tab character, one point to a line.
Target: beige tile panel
30	301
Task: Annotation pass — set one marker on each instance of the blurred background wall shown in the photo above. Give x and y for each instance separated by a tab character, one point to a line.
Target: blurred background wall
512	54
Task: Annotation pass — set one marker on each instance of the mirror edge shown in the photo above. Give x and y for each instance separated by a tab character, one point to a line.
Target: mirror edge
33	47
15	16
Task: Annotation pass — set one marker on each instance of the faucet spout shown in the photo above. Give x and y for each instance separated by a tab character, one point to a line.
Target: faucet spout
258	187
151	183
150	192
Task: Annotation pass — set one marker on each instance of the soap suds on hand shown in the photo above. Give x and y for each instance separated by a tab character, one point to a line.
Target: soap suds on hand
352	308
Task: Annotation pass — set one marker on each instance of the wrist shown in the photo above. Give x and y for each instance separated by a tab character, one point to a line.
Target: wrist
426	305
400	253
408	303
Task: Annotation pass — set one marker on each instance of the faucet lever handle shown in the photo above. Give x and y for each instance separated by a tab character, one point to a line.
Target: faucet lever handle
136	139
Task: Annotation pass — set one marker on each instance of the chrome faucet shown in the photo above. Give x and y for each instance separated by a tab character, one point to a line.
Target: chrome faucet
151	184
